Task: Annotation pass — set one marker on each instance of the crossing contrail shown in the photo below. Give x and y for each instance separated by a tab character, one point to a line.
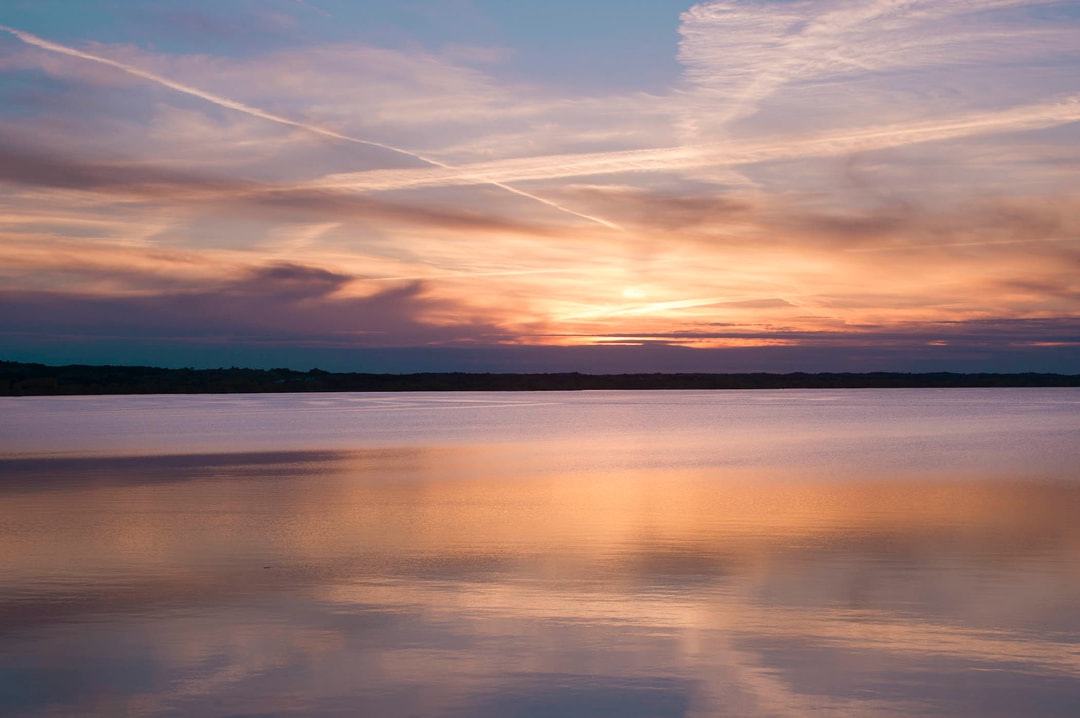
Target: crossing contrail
686	157
225	102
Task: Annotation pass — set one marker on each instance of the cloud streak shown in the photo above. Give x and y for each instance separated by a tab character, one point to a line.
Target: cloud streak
281	303
237	106
22	163
739	54
725	154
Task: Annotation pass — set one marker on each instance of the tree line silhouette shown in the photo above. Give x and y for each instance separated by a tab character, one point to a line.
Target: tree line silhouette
26	379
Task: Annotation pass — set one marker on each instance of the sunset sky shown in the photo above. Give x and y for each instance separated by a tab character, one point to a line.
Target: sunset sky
588	185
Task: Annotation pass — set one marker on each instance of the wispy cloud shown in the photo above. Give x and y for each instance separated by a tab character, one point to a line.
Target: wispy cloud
27	165
230	104
821	170
739	54
676	159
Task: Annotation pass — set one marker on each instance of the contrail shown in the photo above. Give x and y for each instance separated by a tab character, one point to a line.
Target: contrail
220	101
686	157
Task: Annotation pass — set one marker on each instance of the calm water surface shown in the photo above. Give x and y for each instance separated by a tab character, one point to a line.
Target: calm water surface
768	553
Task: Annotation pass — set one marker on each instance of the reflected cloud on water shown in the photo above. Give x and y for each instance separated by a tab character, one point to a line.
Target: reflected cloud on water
438	582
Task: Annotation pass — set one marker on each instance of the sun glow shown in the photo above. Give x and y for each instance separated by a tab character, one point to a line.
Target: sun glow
354	194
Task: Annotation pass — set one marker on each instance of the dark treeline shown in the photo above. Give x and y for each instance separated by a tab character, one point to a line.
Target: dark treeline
20	379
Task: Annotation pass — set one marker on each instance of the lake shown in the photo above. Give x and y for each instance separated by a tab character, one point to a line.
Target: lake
909	552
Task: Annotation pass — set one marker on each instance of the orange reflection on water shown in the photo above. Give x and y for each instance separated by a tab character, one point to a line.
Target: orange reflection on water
503	571
467	504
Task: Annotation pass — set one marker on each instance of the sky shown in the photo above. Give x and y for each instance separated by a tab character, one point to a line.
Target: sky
601	186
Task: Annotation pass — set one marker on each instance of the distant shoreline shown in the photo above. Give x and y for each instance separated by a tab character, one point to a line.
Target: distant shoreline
27	379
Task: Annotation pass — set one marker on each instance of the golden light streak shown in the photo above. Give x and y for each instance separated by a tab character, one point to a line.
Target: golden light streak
652	308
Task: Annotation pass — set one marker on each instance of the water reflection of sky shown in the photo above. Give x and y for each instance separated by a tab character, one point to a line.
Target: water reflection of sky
555	577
